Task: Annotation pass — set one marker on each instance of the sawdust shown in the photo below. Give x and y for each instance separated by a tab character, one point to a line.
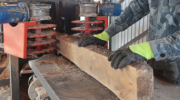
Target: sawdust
66	72
59	60
23	93
4	62
93	47
26	67
6	93
99	49
4	89
6	73
61	65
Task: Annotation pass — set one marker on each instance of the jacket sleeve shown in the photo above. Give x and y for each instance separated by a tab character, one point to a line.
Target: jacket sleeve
134	12
167	48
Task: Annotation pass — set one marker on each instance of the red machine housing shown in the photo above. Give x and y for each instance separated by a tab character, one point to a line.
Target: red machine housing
16	39
101	23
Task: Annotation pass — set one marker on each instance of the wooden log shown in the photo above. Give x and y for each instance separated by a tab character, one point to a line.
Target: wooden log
134	82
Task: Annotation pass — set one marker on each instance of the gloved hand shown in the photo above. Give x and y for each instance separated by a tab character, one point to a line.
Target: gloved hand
123	57
100	39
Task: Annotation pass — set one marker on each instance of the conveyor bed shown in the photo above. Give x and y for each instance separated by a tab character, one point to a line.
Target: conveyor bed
65	81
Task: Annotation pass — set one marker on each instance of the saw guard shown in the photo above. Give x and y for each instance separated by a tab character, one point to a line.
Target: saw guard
15	39
45	49
43	42
18	39
44	33
87	22
88	27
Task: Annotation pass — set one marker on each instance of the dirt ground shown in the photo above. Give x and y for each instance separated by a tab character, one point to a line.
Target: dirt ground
5	74
163	89
5	93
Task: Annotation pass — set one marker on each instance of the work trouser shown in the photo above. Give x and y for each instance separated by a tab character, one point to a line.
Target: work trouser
168	69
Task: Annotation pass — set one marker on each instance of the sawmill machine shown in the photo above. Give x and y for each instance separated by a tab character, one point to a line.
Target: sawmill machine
24	33
28	31
96	17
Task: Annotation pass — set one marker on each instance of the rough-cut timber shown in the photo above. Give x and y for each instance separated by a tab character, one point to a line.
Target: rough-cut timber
135	82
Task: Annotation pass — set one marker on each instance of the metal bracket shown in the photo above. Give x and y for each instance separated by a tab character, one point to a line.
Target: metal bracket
14	77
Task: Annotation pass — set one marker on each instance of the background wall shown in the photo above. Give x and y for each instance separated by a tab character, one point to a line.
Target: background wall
132	32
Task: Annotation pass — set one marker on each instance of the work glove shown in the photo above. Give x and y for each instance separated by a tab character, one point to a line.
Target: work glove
123	57
100	39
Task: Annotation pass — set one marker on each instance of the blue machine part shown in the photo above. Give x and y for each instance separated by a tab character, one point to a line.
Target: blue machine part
110	9
14	13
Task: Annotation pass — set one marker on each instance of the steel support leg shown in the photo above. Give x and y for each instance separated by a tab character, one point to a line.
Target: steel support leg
14	81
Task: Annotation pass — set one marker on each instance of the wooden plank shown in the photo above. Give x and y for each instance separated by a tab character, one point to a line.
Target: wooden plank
135	82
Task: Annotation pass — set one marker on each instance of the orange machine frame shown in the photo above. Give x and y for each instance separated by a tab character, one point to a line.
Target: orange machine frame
105	19
15	39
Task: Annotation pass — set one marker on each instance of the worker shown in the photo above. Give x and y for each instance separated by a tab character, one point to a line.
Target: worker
163	37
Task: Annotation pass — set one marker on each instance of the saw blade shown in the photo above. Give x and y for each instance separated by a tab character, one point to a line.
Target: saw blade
42	26
87	22
42	42
44	33
87	29
45	49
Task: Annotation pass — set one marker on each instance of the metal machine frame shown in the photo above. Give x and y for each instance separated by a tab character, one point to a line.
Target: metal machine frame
58	16
59	12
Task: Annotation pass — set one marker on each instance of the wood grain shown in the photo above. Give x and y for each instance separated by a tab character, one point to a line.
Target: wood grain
135	82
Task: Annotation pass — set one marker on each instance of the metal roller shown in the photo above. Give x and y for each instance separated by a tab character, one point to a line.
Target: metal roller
88	10
40	38
40	11
89	26
100	9
12	13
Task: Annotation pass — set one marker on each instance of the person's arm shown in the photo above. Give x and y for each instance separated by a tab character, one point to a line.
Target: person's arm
166	48
133	13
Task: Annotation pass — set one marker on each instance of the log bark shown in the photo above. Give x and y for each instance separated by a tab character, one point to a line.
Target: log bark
134	82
